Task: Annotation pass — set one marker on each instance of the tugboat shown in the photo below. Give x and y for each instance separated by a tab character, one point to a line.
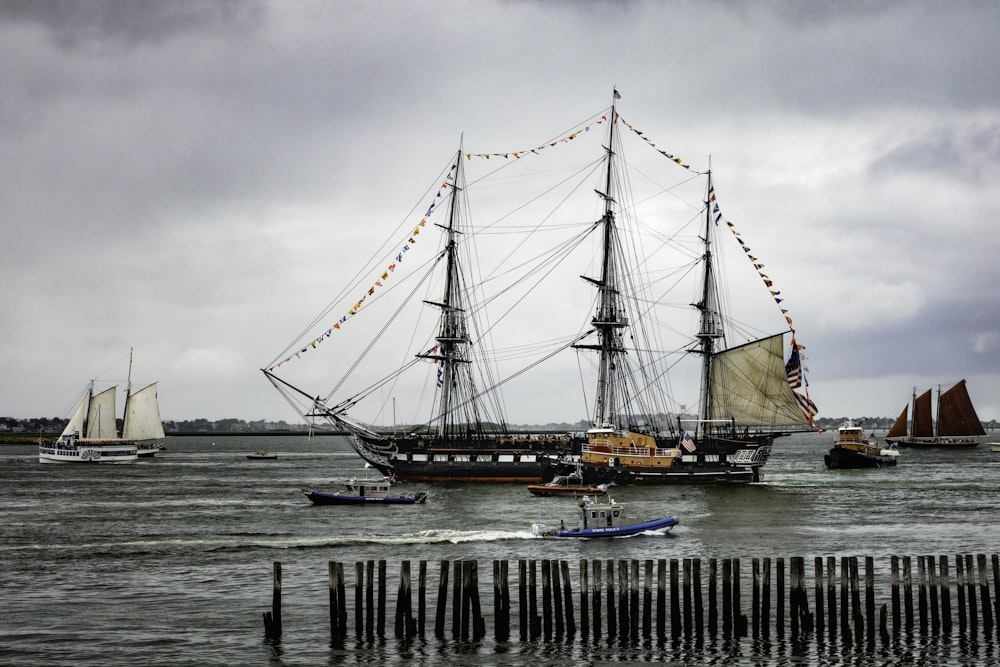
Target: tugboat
853	451
605	519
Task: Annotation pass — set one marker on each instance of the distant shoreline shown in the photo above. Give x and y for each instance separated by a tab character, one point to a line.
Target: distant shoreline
32	438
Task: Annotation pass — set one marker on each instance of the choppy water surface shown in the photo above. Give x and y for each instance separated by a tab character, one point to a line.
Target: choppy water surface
168	561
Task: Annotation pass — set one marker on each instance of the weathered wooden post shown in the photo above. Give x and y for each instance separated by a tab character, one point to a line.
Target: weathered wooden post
922	595
272	619
960	588
557	598
995	559
818	592
359	598
945	595
699	615
896	609
546	600
442	601
422	599
336	631
661	598
472	592
933	585
687	597
795	586
870	599
457	598
856	602
845	600
984	594
370	599
765	607
535	622
647	599
624	631
584	599
568	599
522	598
908	594
713	610
382	593
755	597
403	624
779	605
633	609
612	621
596	593
503	624
739	618
831	594
727	598
970	579
675	604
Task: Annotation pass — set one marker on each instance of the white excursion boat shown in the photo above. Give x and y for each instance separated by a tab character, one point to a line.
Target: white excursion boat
91	436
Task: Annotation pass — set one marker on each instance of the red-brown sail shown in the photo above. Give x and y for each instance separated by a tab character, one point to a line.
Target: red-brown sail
923	423
956	415
898	429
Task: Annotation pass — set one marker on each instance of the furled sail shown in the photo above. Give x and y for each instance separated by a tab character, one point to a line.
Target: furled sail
101	417
142	416
750	385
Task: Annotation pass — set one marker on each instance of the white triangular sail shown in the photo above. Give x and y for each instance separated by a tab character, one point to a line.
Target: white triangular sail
142	416
75	425
750	386
101	415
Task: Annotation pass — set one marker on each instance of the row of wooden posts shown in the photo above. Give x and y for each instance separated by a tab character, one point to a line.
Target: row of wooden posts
618	603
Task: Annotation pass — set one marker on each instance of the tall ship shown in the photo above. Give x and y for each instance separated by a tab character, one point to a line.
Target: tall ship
622	329
91	436
957	423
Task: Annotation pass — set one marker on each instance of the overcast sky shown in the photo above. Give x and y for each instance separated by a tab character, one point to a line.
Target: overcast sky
185	178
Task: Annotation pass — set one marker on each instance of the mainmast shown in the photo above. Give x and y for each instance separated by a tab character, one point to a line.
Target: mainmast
609	320
711	324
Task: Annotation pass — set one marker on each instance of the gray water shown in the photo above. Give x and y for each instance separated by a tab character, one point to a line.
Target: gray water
168	561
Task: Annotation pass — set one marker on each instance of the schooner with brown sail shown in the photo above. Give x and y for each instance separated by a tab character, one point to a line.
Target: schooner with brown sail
957	423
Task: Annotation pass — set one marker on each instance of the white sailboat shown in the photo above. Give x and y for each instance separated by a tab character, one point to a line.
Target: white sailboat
91	436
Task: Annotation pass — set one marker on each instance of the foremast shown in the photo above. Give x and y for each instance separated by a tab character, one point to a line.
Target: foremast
458	411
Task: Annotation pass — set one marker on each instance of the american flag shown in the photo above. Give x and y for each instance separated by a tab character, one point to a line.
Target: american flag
793	369
688	443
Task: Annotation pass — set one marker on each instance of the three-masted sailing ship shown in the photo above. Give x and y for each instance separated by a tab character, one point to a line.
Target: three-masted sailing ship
637	432
957	424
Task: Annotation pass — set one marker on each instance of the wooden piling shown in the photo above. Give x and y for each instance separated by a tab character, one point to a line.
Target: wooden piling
856	614
404	625
713	611
779	604
675	603
970	579
623	600
534	622
596	593
546	600
272	619
896	609
568	599
336	630
727	598
960	589
633	600
945	595
831	595
370	599
922	595
765	607
870	598
699	616
933	586
984	594
818	592
359	599
584	599
908	594
442	602
522	598
661	598
610	589
647	599
845	578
